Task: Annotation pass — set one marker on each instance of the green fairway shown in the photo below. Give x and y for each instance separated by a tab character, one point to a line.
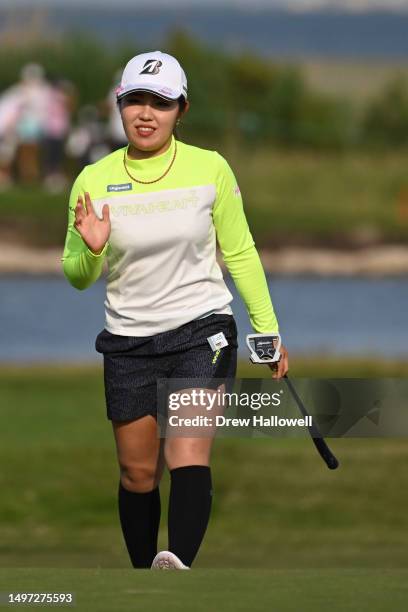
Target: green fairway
276	506
285	532
229	590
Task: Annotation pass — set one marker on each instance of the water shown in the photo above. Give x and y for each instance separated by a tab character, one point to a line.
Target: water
45	319
281	33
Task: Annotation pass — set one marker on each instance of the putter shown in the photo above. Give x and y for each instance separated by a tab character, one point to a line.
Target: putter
265	348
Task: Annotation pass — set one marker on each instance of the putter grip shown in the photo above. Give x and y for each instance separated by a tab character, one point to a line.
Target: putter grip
321	446
326	454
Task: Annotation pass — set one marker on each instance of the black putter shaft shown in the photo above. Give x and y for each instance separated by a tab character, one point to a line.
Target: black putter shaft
324	451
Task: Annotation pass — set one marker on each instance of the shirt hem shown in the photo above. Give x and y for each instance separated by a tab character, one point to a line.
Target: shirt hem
141	331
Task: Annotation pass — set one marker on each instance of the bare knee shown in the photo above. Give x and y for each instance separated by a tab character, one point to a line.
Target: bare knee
139	478
181	451
139	454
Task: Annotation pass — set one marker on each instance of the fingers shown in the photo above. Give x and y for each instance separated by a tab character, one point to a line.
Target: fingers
105	212
80	212
282	366
85	210
88	203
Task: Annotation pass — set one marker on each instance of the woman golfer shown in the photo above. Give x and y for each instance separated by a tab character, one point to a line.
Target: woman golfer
154	209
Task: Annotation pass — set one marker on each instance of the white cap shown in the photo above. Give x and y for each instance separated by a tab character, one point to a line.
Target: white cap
156	72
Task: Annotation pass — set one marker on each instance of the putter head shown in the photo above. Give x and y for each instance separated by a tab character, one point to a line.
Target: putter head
264	348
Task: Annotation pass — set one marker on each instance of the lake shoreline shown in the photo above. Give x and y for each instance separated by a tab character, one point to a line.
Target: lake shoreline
376	261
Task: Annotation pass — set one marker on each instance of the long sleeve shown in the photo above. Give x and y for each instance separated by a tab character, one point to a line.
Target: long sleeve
81	267
239	251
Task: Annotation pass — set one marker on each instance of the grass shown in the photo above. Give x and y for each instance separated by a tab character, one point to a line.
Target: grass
229	590
321	198
333	367
355	79
298	198
285	532
24	211
60	477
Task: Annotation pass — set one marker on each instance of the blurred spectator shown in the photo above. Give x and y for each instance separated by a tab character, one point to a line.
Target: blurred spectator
9	113
35	118
116	137
86	142
61	95
36	133
33	91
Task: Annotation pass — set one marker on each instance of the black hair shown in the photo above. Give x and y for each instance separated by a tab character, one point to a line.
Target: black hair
182	105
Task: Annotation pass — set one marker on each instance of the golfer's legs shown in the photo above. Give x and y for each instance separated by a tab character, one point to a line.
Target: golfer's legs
187	451
190	495
186	445
187	455
140	454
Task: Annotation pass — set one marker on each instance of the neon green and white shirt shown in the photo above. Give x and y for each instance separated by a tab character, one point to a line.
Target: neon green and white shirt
161	251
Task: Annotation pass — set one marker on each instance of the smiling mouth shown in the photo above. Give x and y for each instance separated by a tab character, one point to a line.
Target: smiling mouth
144	130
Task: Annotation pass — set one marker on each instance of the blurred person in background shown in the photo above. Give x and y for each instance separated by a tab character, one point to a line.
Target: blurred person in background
60	104
10	102
33	93
86	142
116	137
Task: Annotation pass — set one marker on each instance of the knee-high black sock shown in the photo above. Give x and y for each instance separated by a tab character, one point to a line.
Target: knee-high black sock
139	518
189	510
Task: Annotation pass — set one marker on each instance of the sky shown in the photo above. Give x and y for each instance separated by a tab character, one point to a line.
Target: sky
295	5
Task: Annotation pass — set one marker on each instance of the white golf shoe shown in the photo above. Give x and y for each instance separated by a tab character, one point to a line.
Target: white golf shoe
166	560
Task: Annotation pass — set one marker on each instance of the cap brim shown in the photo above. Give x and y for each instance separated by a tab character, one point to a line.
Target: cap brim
153	90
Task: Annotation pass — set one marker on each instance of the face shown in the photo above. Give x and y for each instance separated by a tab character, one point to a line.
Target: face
148	121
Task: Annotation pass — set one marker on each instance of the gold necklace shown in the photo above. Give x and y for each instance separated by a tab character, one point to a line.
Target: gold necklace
155	180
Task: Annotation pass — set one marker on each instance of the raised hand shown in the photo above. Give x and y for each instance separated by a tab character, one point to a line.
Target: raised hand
94	231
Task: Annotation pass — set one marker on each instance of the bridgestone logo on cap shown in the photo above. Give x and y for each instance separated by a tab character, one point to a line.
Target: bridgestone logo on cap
152	66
